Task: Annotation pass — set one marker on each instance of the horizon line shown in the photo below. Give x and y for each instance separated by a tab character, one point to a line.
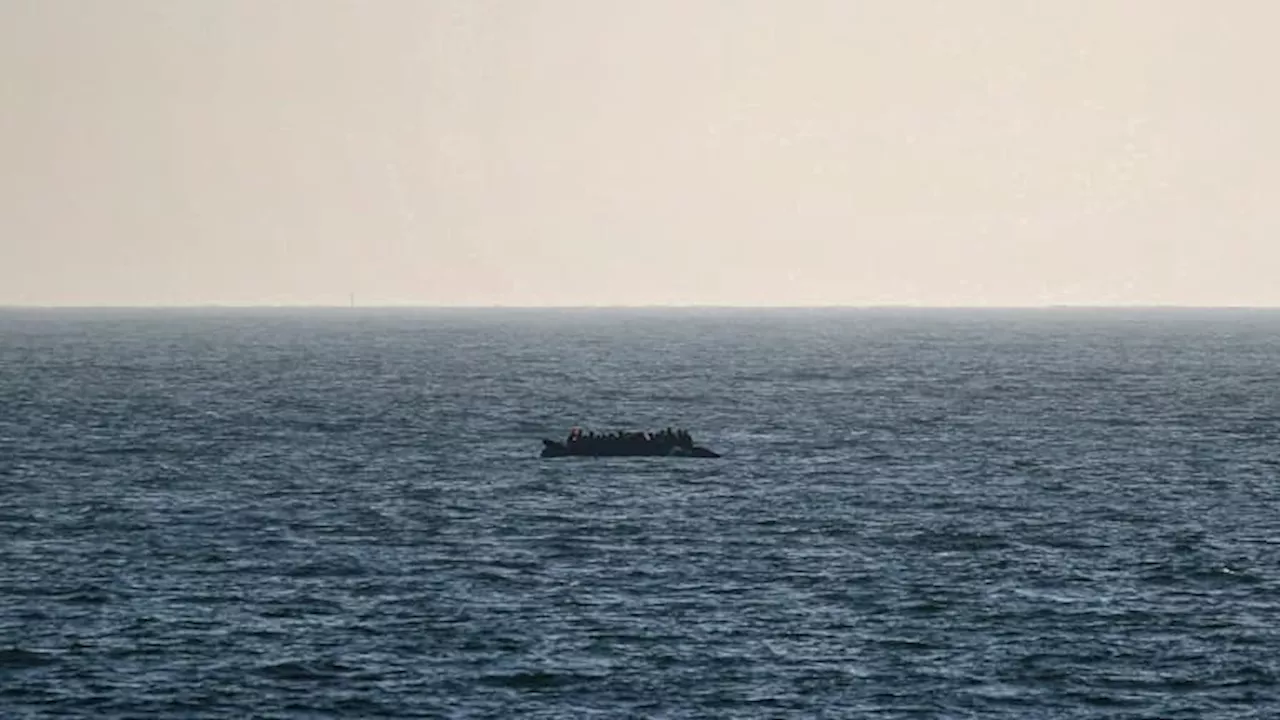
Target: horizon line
621	306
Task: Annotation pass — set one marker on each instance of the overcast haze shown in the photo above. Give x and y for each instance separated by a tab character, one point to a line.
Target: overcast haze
599	152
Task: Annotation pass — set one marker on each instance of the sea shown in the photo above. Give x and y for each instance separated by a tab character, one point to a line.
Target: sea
341	513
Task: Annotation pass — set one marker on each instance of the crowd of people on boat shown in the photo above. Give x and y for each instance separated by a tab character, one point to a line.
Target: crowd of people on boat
660	442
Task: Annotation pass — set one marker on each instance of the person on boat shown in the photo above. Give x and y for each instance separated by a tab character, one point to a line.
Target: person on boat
685	440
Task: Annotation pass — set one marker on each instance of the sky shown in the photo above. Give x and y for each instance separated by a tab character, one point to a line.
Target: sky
665	152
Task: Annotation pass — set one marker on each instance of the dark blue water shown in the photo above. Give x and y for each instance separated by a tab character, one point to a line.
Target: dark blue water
920	514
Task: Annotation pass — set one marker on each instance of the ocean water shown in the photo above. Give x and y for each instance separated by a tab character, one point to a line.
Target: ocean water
920	514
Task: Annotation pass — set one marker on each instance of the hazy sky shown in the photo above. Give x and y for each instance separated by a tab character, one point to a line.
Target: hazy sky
551	152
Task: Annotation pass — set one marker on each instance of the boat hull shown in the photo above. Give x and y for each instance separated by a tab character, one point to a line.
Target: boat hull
553	449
